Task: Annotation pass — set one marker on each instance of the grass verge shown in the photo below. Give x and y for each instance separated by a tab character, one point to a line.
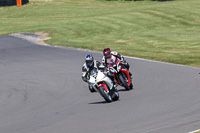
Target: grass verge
163	31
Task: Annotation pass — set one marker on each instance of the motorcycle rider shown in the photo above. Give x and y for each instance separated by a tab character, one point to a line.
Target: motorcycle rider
111	56
89	65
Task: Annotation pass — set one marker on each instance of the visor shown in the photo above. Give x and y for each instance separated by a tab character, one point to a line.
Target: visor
106	54
89	62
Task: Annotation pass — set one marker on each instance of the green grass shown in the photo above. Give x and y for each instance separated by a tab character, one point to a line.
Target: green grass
163	31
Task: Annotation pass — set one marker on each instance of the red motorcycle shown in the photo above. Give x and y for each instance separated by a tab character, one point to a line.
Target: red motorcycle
121	74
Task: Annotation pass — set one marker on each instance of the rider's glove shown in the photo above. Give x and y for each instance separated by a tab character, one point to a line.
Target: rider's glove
126	64
122	59
106	70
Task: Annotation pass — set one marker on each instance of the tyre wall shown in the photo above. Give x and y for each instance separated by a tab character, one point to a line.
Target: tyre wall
11	2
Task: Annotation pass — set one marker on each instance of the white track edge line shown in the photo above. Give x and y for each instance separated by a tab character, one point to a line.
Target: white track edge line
195	131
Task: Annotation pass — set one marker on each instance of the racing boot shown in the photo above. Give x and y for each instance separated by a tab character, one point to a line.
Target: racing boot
126	64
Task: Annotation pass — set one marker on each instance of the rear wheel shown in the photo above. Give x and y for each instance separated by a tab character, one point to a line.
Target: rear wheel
105	94
123	80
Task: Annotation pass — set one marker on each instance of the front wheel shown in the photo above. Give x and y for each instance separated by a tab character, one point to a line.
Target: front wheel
115	96
124	82
105	94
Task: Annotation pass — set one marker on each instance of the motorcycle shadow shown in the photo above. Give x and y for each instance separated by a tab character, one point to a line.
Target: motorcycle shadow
102	102
122	90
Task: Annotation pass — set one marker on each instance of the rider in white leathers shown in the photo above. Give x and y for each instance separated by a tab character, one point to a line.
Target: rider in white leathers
89	64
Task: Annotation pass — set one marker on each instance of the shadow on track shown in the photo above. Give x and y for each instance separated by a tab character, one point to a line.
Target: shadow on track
103	102
122	90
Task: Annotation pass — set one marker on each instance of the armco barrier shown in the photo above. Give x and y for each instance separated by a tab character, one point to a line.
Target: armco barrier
12	2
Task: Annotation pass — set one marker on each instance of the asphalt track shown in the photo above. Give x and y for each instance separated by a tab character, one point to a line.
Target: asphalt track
41	91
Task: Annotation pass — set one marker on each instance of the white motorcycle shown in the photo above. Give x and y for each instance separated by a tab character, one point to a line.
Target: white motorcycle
103	84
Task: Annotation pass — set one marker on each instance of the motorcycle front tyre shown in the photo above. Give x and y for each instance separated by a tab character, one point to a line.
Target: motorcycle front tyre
123	82
115	96
105	94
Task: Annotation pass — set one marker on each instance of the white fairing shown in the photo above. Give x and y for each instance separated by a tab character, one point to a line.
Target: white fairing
96	76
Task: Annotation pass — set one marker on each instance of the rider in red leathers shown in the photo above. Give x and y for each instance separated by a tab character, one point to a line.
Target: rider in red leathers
111	56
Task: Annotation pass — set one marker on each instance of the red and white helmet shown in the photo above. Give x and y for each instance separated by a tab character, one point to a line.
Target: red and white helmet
107	52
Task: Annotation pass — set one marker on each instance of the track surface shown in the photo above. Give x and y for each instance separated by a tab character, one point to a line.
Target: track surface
41	91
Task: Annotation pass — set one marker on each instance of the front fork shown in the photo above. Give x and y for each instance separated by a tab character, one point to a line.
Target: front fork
105	87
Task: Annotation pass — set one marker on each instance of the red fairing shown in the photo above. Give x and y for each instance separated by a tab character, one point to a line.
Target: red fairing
125	71
103	86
